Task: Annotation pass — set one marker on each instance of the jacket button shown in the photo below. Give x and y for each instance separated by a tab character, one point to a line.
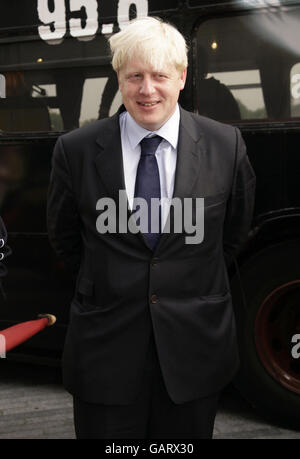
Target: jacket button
154	261
153	299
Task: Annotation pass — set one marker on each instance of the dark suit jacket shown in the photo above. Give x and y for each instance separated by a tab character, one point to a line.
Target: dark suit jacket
113	310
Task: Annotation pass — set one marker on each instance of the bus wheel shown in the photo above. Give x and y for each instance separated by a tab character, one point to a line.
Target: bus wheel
267	322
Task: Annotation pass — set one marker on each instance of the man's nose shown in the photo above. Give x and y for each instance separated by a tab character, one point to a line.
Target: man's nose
147	87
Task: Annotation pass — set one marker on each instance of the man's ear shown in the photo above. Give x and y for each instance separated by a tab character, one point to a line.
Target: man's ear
183	79
119	79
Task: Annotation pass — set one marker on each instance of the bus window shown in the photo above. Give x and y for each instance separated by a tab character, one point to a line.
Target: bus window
93	108
58	99
49	85
246	66
245	87
20	111
47	91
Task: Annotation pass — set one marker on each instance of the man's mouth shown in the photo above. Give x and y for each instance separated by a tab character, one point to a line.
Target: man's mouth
148	104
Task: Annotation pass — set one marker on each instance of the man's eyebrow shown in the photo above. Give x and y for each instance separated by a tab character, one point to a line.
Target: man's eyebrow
132	72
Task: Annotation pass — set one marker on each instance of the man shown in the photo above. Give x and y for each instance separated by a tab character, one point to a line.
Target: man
215	100
151	340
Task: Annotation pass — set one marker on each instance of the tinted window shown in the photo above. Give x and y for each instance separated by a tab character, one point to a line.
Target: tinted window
57	100
248	66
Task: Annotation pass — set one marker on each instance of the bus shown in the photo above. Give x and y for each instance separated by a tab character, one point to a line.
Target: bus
244	69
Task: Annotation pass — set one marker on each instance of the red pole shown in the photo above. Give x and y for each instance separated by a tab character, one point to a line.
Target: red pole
17	334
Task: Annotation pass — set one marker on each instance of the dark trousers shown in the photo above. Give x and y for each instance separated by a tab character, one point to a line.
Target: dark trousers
152	415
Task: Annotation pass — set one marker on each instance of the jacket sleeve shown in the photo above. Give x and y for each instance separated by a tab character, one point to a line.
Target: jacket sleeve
62	214
241	202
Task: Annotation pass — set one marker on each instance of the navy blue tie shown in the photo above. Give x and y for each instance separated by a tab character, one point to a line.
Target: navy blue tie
147	184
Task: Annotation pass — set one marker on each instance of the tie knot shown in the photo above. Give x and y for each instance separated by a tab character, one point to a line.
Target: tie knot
149	145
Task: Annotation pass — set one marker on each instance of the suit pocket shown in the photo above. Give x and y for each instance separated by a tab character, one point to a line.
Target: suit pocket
215	200
217	297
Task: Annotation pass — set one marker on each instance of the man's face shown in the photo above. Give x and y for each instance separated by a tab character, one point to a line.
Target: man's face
150	96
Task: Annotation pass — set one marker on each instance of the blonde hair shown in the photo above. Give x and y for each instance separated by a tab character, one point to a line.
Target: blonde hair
156	42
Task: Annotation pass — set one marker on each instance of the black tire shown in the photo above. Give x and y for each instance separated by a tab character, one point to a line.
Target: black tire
276	267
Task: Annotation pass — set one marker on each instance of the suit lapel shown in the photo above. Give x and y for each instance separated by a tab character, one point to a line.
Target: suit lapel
188	156
189	153
109	161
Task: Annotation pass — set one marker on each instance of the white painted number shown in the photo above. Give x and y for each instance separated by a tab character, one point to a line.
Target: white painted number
123	11
90	29
54	28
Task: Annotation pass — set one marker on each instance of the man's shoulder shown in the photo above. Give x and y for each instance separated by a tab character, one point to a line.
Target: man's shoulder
198	125
86	134
206	124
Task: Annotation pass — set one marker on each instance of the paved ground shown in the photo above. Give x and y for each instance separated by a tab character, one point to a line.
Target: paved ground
33	405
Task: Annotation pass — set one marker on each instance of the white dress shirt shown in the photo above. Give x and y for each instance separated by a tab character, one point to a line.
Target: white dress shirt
166	154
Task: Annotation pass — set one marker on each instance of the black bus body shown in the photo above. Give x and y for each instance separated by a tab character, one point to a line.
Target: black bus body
244	69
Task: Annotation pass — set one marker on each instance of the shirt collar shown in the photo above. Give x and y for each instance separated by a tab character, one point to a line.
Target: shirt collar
169	131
